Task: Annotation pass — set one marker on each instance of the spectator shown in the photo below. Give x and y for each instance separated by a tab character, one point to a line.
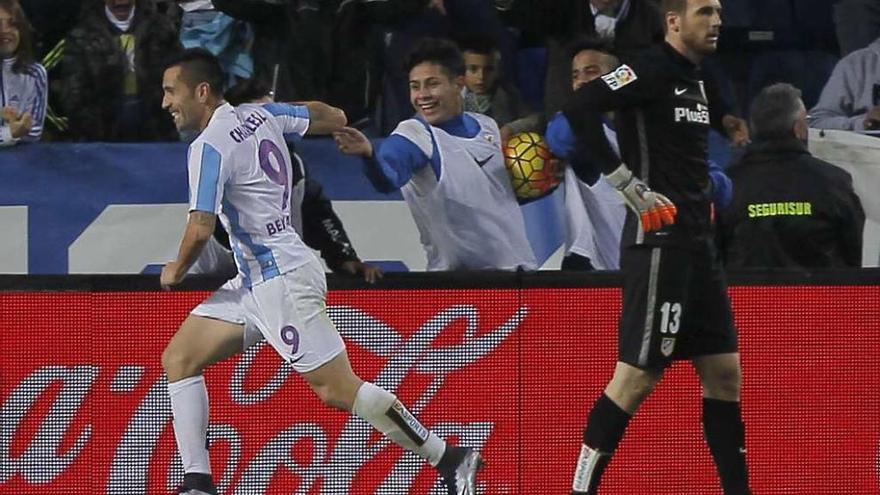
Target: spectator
789	209
449	168
273	38
487	92
857	22
594	211
202	26
851	97
438	19
631	25
322	50
112	73
24	82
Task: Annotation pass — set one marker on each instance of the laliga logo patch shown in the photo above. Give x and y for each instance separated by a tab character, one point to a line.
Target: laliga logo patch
667	346
489	137
620	77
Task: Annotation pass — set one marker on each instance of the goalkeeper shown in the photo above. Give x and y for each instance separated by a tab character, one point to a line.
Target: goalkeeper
675	303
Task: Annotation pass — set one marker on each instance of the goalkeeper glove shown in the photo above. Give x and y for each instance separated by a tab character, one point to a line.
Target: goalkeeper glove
654	209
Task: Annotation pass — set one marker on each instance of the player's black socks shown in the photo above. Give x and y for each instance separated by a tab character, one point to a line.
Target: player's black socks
725	434
606	425
199	481
605	428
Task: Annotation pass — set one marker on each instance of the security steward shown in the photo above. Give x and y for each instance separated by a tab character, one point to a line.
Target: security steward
789	209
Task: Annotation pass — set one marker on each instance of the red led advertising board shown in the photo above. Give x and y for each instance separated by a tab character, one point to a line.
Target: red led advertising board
510	371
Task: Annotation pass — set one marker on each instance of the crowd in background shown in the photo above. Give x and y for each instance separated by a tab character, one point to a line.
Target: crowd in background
91	70
104	58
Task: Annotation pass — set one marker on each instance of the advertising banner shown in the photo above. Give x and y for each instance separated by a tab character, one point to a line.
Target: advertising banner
512	372
99	208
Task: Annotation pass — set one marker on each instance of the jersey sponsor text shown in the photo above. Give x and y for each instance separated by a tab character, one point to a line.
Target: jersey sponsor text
698	116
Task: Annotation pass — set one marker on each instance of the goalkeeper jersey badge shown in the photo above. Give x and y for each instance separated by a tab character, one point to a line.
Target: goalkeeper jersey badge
667	345
620	77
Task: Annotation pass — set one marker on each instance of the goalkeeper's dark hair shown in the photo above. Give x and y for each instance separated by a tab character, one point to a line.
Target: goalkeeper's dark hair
442	52
247	91
677	6
197	66
775	111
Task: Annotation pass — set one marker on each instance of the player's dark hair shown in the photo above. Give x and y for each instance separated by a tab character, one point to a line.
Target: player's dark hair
593	43
247	91
198	65
477	43
24	55
774	112
439	51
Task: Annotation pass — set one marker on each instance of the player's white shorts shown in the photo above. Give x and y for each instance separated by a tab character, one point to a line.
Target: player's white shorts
289	311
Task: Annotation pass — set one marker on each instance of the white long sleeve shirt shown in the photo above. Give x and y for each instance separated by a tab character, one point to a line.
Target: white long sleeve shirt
851	92
26	91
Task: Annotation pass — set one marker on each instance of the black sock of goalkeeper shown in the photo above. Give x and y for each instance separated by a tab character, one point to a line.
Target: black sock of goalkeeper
605	428
725	434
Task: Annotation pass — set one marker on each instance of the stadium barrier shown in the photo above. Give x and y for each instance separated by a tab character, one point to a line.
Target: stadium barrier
98	208
506	362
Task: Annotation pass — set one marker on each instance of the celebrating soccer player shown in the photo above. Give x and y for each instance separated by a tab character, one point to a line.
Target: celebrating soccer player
240	170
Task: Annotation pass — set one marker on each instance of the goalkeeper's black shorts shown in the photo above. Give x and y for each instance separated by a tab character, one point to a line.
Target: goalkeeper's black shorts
675	305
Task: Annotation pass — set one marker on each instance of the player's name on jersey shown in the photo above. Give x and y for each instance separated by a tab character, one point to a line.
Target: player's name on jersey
279	225
250	125
790	208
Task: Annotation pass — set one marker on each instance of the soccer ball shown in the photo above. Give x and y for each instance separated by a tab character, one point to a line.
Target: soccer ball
534	171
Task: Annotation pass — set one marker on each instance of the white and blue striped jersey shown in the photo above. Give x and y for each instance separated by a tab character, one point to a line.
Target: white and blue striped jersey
26	91
240	169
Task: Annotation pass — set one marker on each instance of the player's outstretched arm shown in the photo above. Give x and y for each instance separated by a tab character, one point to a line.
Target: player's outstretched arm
353	142
654	209
199	228
389	166
323	118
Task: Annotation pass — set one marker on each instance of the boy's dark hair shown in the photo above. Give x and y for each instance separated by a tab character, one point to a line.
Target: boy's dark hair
439	51
476	43
24	55
593	43
247	91
200	66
